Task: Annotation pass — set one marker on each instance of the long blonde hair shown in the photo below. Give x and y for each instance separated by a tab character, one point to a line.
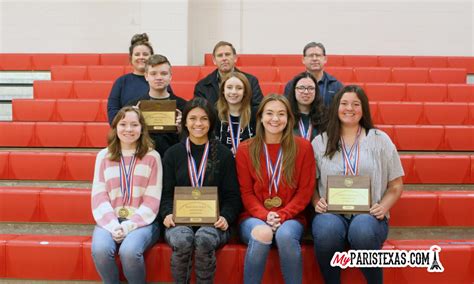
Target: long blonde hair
287	142
245	107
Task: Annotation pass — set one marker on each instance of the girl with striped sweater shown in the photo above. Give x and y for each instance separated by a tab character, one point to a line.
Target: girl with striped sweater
126	194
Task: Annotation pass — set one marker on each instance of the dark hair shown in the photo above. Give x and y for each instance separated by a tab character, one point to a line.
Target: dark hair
246	106
334	124
212	167
287	142
314	44
139	39
156	59
317	113
207	107
144	142
223	43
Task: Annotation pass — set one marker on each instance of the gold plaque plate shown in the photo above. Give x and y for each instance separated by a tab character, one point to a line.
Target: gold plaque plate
160	115
348	194
195	205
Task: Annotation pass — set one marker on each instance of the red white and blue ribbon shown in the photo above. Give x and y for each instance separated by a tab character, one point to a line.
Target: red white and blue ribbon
126	179
306	134
273	170
350	157
235	139
197	176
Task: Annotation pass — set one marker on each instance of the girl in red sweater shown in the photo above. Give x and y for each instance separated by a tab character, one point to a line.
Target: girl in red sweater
276	172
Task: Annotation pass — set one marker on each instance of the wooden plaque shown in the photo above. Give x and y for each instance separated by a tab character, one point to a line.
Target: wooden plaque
348	194
195	205
160	115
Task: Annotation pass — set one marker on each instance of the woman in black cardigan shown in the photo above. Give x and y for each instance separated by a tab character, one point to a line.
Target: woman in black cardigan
199	160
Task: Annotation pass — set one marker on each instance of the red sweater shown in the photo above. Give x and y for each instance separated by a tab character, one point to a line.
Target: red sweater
254	192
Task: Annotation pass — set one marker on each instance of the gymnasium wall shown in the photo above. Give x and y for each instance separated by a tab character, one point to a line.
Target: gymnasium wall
186	29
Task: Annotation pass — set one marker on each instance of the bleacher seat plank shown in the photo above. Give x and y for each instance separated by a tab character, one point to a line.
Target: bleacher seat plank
69	258
72	206
430	61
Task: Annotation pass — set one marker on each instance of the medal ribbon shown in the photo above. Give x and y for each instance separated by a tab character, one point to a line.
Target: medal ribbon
273	171
126	179
305	134
196	177
351	157
235	139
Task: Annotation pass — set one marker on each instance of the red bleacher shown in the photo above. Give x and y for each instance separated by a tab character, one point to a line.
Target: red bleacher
72	205
69	257
44	61
277	73
398	92
422	102
92	134
465	62
424	169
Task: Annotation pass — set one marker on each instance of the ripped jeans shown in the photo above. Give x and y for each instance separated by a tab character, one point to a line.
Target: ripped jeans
287	239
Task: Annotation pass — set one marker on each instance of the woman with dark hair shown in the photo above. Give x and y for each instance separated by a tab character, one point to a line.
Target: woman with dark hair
351	146
132	85
199	160
276	173
307	106
236	120
126	194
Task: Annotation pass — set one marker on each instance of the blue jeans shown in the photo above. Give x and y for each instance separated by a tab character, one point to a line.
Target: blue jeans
287	239
130	251
332	232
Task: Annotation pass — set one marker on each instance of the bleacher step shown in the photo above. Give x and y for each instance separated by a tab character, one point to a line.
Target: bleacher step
15	281
438	187
23	77
5	111
395	233
46	229
56	184
49	149
88	185
16	92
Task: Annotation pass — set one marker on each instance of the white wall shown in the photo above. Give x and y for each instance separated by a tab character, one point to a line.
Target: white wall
101	26
186	29
356	27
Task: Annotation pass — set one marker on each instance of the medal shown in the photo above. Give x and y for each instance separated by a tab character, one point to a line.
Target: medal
195	193
196	177
268	203
235	139
350	158
126	183
123	212
276	201
274	175
306	134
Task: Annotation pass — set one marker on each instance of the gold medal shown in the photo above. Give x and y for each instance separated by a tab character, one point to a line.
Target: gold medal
196	193
123	212
268	203
276	201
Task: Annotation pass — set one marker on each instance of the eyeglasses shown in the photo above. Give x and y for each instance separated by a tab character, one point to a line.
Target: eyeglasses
310	89
312	55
